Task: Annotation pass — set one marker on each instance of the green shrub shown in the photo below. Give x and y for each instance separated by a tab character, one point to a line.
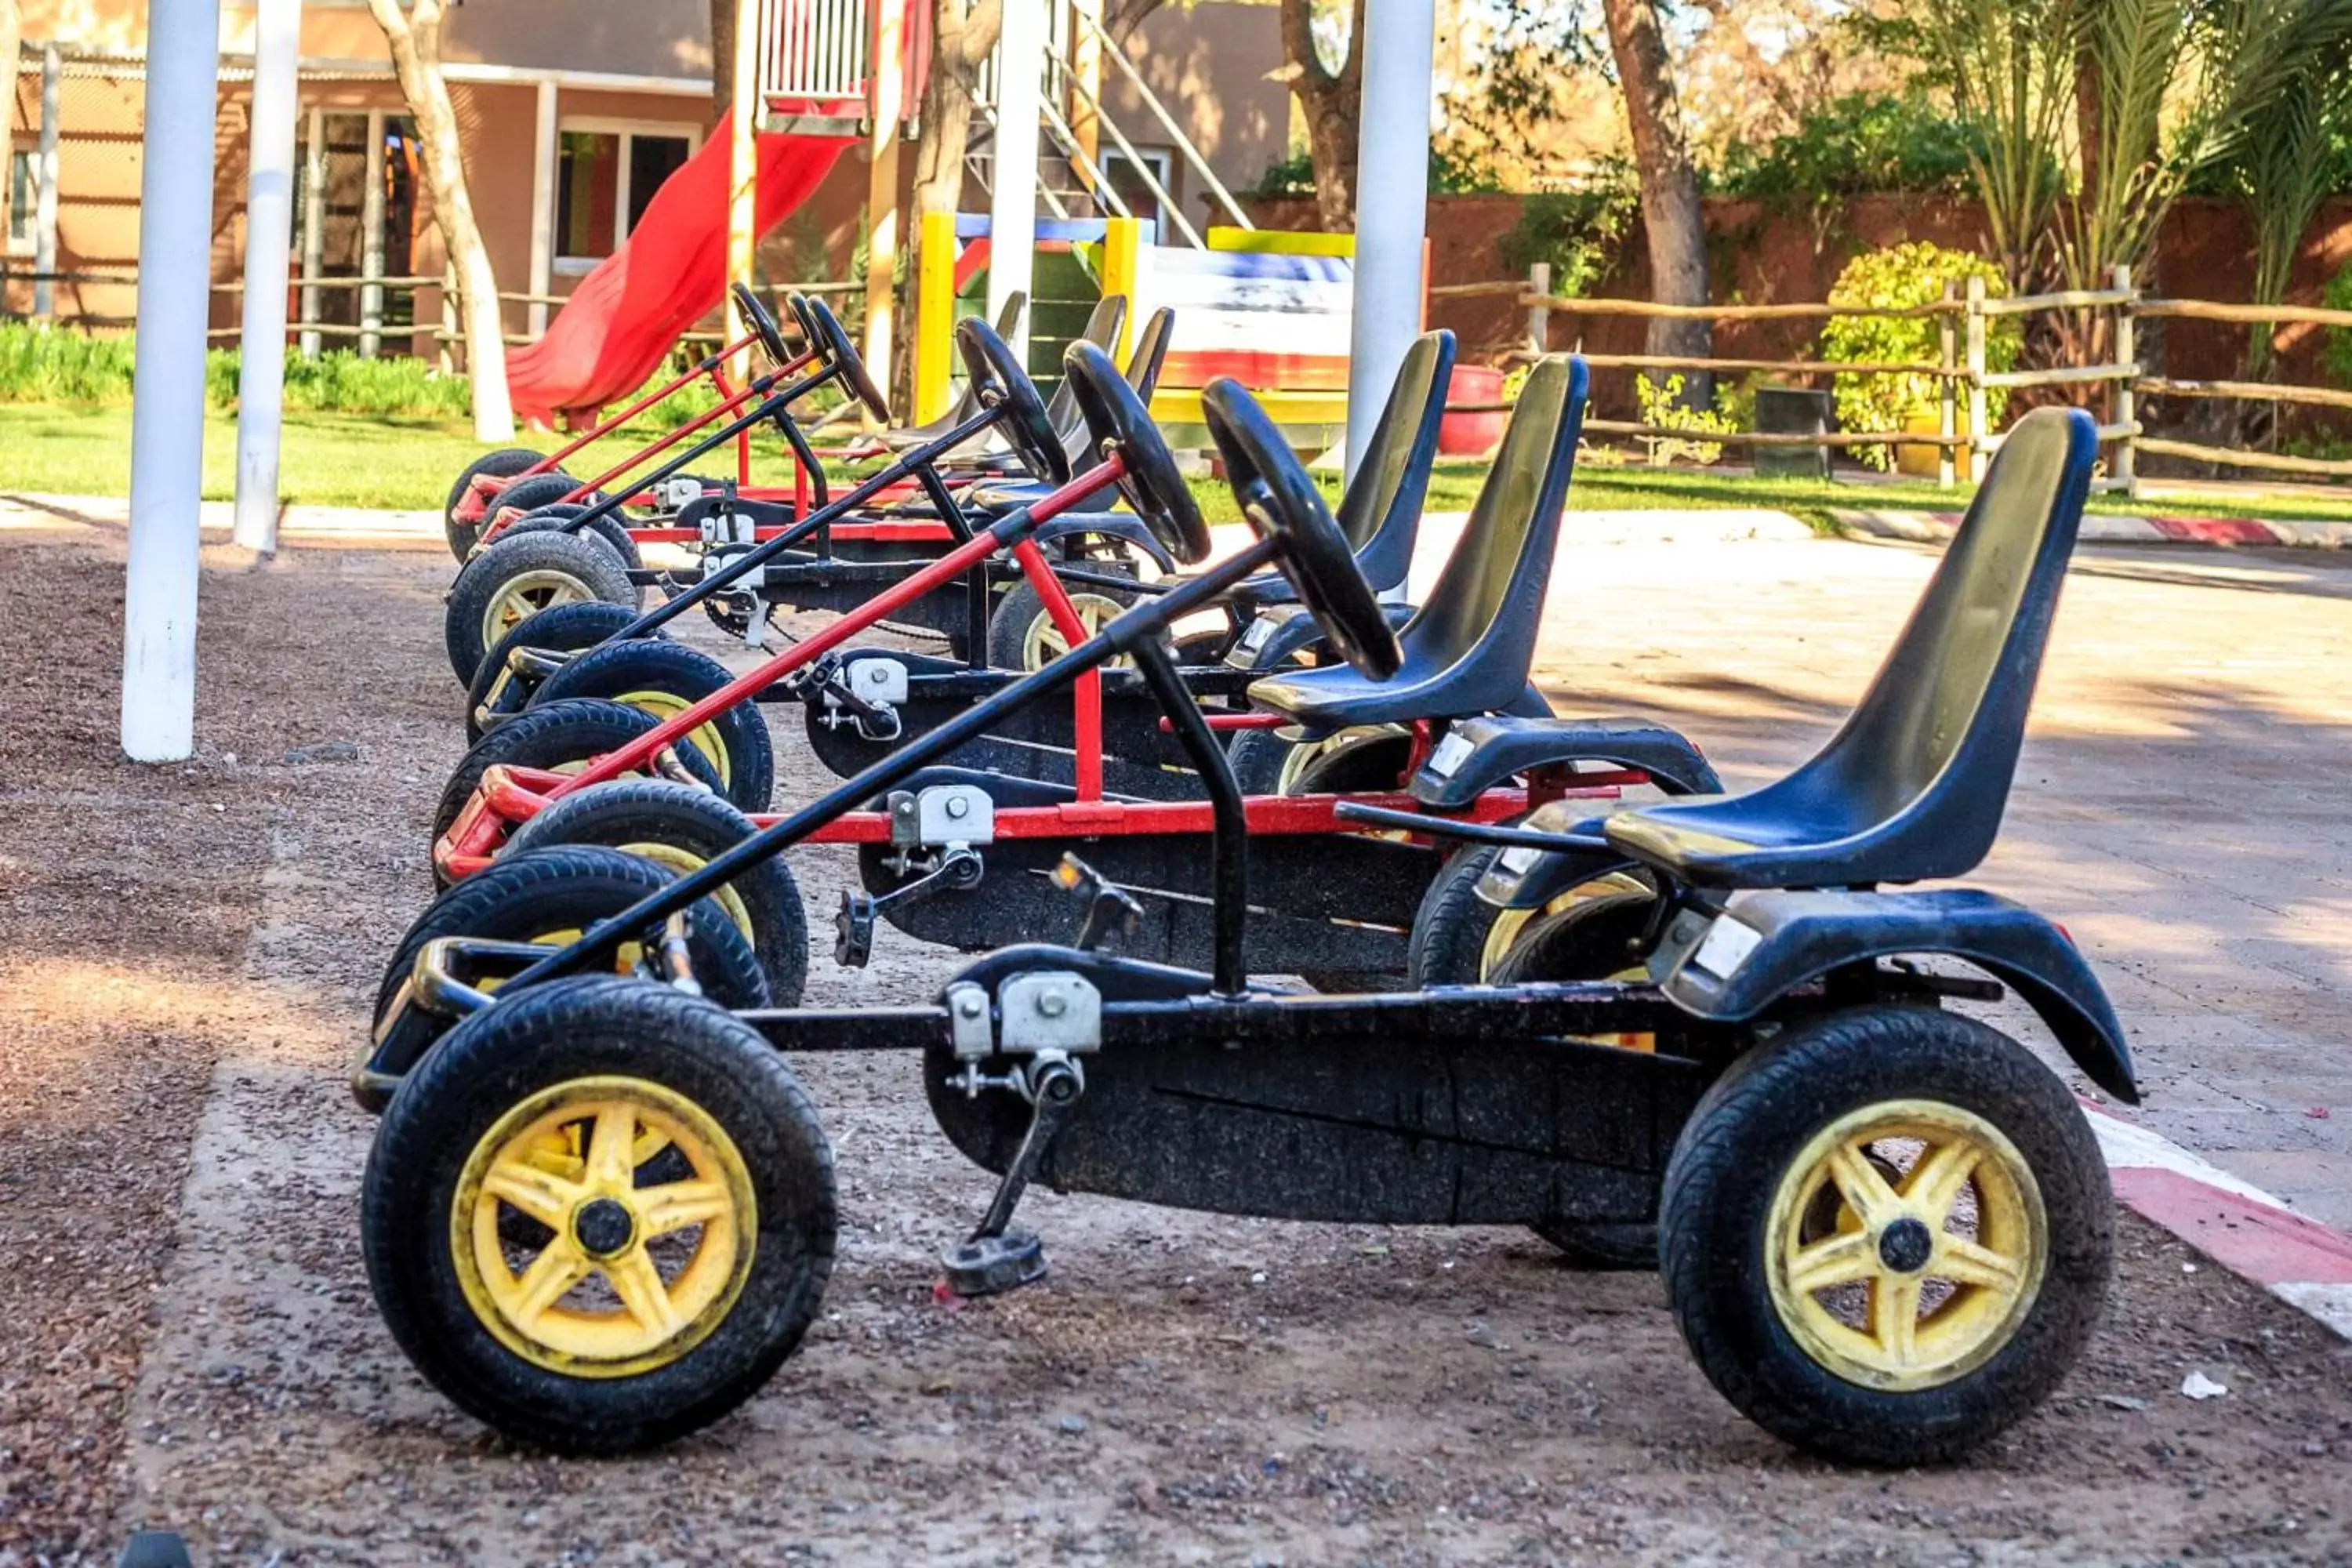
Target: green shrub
340	382
1905	275
2338	351
1860	141
63	364
1578	232
1662	404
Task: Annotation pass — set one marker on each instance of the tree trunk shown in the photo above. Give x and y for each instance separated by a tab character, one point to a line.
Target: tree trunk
722	59
414	35
1671	216
960	41
1333	105
12	38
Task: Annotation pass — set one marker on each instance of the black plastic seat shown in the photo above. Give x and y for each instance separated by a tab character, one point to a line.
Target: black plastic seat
1913	785
967	402
1468	649
1380	515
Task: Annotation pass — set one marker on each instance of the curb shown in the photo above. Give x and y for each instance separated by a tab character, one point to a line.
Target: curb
2254	1236
1936	527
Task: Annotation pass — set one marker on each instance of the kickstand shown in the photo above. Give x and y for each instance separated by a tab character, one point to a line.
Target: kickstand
996	1258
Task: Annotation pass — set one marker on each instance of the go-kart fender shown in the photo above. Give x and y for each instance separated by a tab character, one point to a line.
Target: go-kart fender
1734	965
1290	632
1526	878
1480	753
1121	527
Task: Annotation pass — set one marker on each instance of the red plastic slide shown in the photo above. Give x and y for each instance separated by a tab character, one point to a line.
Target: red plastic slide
667	275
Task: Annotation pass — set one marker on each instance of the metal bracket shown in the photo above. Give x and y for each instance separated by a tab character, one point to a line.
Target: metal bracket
1051	1011
679	491
943	817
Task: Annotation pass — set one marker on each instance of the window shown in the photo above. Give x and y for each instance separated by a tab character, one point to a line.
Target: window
23	191
606	176
1122	174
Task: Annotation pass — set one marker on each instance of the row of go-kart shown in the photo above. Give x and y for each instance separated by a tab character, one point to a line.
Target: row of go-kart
1693	1034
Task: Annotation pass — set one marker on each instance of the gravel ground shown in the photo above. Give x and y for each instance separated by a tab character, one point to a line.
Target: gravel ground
188	958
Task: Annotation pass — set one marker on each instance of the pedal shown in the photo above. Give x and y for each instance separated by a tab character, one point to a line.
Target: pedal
993	1264
996	1258
853	928
1111	909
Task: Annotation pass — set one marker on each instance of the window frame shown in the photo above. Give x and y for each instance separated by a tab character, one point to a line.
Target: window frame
18	249
627	129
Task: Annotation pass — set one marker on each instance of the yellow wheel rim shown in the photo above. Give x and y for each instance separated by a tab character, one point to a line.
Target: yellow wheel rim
685	862
1045	643
641	1264
526	593
667	706
1906	1244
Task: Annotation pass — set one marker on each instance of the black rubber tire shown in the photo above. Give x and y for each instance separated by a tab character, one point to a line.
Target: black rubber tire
745	750
528	496
554	737
1590	940
608	528
565	629
511	1052
522	897
500	463
590	566
1019	607
626	813
1729	1161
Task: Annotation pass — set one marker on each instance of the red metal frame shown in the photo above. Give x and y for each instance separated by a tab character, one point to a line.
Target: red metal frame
479	828
480	500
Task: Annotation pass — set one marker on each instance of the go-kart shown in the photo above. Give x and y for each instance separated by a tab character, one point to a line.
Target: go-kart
757	558
960	855
602	1211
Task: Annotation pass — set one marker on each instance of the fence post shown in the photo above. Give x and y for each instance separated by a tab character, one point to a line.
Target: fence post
2125	472
371	241
314	223
1947	394
45	193
1976	431
450	333
1539	316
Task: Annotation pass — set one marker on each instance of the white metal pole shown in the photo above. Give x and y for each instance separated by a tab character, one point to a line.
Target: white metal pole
314	223
1399	41
1013	205
167	389
268	240
542	207
371	241
45	197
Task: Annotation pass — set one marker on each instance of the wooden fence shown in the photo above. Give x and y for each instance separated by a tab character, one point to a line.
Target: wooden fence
1965	437
372	332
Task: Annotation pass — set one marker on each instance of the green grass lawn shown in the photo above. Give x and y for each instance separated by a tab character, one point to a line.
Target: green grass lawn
340	459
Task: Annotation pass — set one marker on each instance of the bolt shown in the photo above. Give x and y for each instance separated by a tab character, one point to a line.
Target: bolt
1052	1005
968	1007
958	808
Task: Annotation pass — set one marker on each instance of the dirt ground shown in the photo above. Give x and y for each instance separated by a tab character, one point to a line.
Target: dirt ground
185	959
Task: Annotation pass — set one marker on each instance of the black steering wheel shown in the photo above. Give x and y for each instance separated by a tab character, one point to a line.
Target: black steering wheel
1282	503
1117	420
825	329
763	324
1003	387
